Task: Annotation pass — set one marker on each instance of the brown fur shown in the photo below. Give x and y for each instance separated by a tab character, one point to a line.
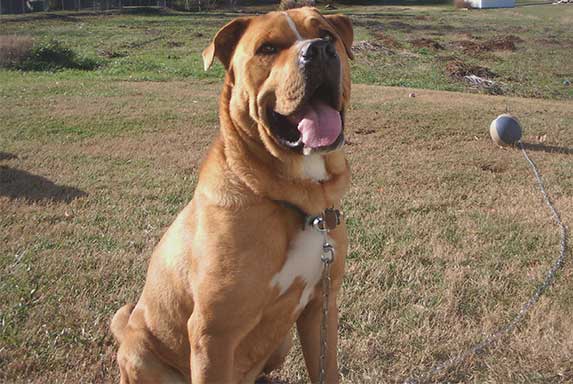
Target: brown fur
208	311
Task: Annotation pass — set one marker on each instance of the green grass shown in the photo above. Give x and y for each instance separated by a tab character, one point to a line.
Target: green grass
168	47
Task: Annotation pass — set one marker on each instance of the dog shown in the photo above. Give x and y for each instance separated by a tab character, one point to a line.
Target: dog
241	264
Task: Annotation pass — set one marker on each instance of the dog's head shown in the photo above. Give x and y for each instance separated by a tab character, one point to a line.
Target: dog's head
290	78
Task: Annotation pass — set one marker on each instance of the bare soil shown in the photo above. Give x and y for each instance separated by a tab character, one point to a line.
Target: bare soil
458	69
498	43
426	43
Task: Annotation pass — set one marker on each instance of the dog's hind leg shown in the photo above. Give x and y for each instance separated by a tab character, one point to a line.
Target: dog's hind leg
139	365
137	362
119	321
278	357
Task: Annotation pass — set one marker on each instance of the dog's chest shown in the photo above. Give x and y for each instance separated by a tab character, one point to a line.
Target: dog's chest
303	262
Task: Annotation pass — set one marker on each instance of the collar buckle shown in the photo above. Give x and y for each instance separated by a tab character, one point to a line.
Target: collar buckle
327	220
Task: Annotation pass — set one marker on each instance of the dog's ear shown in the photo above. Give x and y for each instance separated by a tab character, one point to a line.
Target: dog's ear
224	43
343	26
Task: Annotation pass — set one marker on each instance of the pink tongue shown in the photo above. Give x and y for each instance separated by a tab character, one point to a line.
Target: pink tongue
319	124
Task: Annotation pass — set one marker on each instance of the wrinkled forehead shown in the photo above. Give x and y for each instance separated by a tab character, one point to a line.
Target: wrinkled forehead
292	25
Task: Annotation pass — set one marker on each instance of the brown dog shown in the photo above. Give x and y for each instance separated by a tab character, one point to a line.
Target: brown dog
241	265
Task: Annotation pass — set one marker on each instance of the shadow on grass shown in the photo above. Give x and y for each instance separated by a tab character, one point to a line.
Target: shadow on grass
548	148
7	156
18	184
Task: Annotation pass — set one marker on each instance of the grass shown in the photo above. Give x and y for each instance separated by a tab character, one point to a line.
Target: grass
165	47
449	234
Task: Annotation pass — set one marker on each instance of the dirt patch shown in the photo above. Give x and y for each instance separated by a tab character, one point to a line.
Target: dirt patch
14	49
498	43
400	25
475	76
175	44
426	43
458	69
469	47
502	43
387	40
370	46
493	168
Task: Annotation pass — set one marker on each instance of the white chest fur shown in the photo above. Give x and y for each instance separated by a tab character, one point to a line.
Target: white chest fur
314	167
303	261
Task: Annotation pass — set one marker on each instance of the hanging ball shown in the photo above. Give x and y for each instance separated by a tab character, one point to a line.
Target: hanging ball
505	130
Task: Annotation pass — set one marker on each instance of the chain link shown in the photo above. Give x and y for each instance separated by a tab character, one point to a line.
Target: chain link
324	320
505	329
327	257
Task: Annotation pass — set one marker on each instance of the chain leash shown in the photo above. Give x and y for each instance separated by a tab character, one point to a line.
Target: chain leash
541	288
324	225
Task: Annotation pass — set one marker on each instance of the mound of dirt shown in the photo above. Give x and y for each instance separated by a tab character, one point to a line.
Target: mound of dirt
387	41
458	70
502	43
426	43
469	46
475	76
370	46
498	43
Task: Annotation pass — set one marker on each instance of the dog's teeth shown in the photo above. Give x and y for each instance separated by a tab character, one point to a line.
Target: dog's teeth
294	144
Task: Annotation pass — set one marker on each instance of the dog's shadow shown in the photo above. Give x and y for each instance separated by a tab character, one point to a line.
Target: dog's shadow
19	184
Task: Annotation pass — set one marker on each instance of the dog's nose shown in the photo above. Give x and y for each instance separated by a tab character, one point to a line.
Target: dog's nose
317	50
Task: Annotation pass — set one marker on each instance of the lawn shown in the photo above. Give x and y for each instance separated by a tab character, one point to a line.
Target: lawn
449	234
526	50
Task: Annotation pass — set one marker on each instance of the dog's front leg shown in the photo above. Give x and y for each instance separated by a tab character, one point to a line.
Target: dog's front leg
211	355
308	325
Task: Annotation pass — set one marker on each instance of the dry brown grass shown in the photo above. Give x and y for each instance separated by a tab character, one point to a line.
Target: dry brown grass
449	235
14	49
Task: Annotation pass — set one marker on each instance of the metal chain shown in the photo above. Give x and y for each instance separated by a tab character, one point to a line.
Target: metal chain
505	329
327	257
324	320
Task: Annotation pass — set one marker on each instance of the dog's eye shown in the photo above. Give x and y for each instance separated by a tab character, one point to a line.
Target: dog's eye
267	49
325	35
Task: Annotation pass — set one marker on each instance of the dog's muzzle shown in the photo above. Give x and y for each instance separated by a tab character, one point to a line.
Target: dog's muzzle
313	120
317	52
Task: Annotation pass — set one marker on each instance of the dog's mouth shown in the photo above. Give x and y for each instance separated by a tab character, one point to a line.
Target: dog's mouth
316	125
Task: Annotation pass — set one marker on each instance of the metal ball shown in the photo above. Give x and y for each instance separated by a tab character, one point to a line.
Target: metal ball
505	130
